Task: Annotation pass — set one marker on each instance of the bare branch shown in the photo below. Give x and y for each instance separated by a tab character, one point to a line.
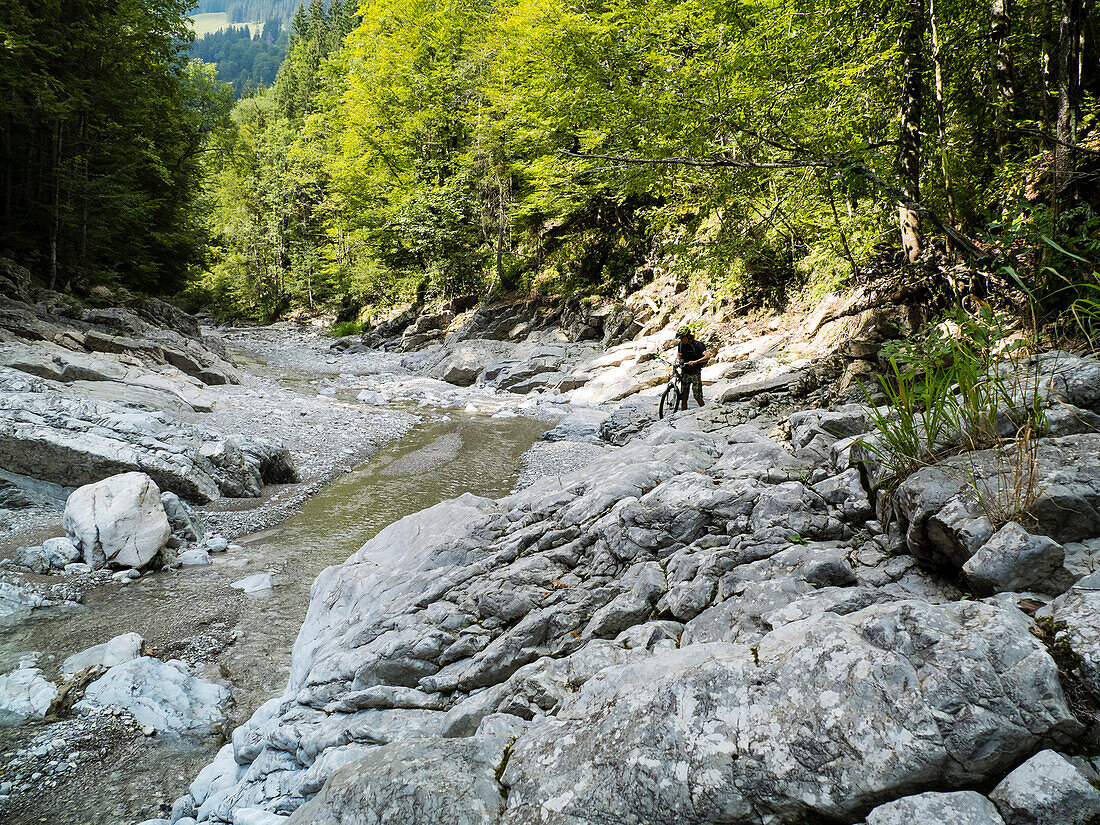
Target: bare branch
698	163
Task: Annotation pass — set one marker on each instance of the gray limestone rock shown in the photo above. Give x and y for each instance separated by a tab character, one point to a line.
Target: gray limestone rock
119	521
1046	790
118	650
822	718
415	783
626	422
1078	610
25	695
959	808
943	507
1015	560
182	521
159	694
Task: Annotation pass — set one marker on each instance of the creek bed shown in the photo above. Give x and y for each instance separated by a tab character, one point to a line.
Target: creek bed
241	640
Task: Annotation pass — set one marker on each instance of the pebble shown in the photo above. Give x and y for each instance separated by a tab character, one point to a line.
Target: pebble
148	730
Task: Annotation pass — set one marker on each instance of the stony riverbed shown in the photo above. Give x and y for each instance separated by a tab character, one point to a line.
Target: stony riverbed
698	620
361	467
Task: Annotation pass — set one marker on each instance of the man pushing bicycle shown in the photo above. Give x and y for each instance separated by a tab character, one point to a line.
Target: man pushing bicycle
693	355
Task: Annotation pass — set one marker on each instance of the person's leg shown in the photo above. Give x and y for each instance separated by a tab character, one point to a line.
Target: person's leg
685	387
697	387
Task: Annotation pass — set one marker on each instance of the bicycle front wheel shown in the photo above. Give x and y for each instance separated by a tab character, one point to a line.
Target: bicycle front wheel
670	400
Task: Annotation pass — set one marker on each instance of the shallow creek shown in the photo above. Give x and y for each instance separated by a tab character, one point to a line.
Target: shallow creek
191	613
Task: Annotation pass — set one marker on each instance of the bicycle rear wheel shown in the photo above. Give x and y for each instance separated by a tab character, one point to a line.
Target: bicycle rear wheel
670	400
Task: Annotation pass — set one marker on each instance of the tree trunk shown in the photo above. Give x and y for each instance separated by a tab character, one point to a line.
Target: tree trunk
912	42
1068	86
55	199
1046	50
1004	91
941	119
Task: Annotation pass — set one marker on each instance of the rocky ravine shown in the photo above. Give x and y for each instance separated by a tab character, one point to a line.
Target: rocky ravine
705	626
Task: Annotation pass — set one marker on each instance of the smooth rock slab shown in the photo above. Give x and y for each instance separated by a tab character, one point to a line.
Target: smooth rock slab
1046	790
961	808
253	584
824	718
119	650
119	521
158	694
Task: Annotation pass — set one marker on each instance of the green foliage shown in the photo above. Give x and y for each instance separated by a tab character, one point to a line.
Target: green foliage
430	149
952	388
104	123
244	62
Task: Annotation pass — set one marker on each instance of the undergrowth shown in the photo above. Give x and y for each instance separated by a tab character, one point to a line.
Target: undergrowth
959	386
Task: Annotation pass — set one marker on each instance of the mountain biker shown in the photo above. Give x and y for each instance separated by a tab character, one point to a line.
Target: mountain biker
693	355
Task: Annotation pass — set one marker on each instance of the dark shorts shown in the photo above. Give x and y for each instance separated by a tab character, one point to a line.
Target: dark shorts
693	382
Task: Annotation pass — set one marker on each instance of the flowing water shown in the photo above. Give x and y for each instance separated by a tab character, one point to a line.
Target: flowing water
191	613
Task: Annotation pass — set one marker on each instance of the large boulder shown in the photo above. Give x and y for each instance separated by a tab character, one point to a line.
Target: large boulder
959	808
119	521
159	694
822	719
1015	560
25	694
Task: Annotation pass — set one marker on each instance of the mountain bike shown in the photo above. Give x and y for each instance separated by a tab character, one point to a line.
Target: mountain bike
670	398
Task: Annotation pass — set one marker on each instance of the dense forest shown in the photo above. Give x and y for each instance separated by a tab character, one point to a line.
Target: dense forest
101	133
750	146
245	62
250	11
412	150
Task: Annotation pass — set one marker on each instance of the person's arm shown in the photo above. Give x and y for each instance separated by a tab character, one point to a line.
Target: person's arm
701	360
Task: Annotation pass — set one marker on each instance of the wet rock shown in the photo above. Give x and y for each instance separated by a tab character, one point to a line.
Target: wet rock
119	521
959	808
159	694
25	694
1046	790
118	650
732	732
1015	560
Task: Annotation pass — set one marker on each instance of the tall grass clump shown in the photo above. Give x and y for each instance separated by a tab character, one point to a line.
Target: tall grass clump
958	386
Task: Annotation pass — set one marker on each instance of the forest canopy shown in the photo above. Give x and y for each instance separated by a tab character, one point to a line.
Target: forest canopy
411	149
415	150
